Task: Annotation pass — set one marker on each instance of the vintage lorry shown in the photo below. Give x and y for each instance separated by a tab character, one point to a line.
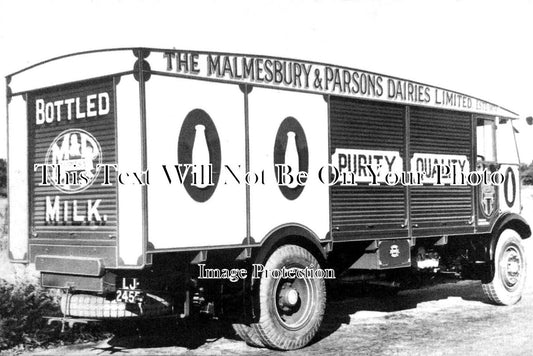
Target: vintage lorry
150	182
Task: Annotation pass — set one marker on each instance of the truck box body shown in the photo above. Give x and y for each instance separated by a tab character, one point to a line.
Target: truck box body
139	125
134	171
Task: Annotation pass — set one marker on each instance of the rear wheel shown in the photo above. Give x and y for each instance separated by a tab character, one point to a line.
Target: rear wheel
509	270
291	309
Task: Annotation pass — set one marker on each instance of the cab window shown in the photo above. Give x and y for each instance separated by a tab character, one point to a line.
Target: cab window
485	134
506	142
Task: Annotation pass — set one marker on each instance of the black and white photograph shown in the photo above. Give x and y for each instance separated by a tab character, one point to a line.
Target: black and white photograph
300	177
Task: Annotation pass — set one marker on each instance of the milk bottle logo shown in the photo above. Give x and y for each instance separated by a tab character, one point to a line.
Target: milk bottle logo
290	150
199	149
200	157
291	156
509	186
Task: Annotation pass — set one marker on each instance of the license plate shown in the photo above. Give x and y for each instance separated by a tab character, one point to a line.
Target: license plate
129	296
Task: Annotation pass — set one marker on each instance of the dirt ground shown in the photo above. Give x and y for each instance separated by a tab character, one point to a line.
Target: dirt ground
447	319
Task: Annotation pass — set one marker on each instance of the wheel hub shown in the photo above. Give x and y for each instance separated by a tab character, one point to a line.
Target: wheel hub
288	297
511	267
294	299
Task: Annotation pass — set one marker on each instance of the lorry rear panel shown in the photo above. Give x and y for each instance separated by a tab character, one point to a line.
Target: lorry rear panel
72	133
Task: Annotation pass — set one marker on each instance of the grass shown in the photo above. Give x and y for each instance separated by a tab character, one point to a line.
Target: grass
22	307
24	304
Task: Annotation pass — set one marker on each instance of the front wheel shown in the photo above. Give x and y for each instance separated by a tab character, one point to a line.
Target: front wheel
291	309
509	270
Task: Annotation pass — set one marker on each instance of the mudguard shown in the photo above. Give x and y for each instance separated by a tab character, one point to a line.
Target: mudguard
511	221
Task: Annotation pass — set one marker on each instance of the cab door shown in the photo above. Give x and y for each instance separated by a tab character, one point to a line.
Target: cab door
486	160
509	164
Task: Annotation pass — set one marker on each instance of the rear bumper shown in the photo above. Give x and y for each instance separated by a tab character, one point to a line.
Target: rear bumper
75	273
67	250
104	284
85	266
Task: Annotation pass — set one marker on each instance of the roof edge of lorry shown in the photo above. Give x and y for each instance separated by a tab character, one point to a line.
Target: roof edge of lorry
512	114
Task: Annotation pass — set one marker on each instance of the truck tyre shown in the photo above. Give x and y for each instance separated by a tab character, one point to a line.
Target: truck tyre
248	334
509	270
290	309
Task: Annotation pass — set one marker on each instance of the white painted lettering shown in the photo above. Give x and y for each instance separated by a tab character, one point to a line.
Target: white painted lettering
91	105
52	211
39	111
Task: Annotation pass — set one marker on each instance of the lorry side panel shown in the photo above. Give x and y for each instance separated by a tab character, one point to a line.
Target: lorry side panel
195	122
289	128
367	133
438	136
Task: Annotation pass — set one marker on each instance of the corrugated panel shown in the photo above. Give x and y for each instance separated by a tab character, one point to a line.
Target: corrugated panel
366	125
441	132
363	211
102	128
440	209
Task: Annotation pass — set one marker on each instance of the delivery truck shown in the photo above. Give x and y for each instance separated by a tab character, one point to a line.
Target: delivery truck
150	183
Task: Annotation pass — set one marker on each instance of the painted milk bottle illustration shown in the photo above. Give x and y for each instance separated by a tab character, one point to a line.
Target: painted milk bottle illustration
291	157
200	157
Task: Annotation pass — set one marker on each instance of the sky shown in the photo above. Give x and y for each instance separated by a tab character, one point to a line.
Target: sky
480	48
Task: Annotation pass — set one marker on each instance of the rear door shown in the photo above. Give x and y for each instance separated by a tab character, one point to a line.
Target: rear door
72	133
